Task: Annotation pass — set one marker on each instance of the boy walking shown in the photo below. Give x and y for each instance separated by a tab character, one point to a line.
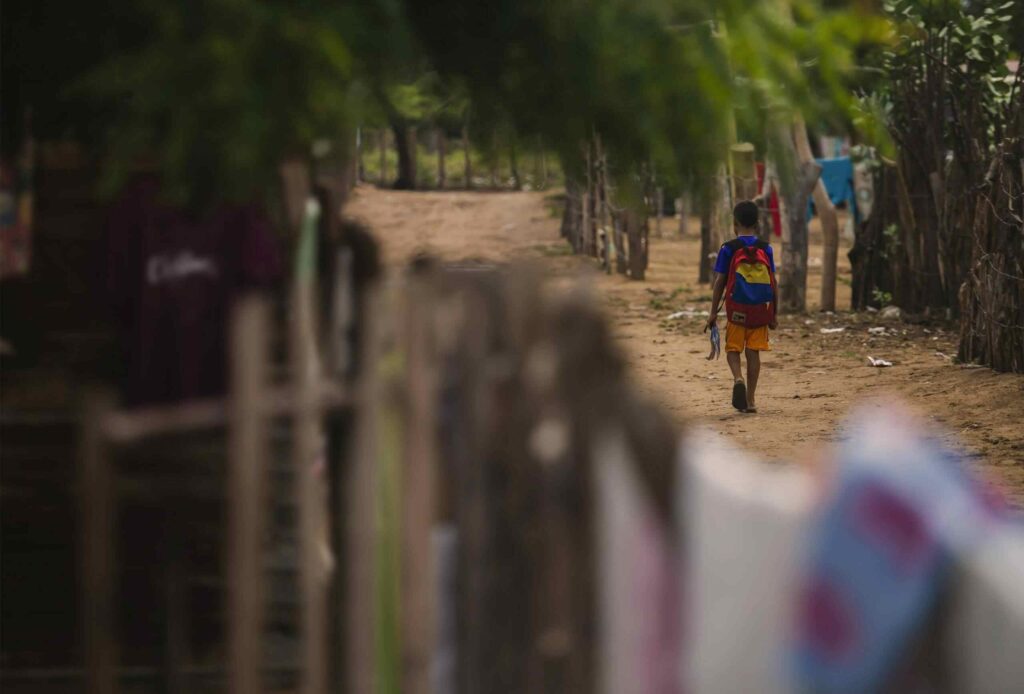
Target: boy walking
745	276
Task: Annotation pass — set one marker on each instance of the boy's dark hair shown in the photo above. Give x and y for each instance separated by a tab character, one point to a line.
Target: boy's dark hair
745	213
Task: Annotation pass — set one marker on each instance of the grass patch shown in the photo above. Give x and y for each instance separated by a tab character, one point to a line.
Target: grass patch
529	164
555	205
662	303
554	250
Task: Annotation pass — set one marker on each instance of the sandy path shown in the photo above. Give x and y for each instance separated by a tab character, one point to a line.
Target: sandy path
809	381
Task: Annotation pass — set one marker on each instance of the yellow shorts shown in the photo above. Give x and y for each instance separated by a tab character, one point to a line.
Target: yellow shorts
737	337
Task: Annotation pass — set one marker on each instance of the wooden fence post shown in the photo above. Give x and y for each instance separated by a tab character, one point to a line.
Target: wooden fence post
309	491
98	508
442	164
418	482
467	165
358	509
744	172
247	468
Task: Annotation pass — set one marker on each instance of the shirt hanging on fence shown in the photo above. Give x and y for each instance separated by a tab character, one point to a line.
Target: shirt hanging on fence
837	175
16	207
170	280
902	511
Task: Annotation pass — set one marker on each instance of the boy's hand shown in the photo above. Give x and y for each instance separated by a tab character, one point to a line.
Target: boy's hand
712	319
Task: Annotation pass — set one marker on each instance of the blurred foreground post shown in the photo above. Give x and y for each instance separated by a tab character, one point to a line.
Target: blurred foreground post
359	507
97	527
247	467
306	438
417	491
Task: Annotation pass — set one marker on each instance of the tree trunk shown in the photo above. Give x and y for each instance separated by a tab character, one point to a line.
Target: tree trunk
543	182
513	164
382	143
793	280
659	201
683	205
442	151
829	221
588	238
721	223
405	143
706	214
637	232
360	172
467	164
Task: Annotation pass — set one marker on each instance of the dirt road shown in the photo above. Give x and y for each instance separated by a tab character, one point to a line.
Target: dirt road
810	380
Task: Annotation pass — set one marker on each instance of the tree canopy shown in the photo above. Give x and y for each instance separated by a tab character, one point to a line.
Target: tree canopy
218	91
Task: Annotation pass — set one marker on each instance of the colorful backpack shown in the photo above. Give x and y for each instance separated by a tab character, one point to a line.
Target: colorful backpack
750	289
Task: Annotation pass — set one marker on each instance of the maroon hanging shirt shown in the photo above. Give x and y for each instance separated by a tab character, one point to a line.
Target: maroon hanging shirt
171	277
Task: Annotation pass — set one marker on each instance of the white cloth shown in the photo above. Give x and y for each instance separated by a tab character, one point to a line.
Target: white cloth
743	526
985	637
638	580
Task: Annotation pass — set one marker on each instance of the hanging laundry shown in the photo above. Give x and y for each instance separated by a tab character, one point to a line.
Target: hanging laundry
170	280
837	175
638	581
903	508
773	198
16	208
743	526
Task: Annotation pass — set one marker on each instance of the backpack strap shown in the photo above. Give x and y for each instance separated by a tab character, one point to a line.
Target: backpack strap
763	245
734	245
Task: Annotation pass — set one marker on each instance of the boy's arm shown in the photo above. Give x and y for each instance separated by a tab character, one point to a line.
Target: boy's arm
716	299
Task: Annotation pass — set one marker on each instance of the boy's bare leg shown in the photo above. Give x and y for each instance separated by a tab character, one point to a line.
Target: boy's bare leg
734	365
753	371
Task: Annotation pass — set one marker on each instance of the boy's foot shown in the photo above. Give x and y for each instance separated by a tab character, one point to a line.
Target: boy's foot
751	410
739	395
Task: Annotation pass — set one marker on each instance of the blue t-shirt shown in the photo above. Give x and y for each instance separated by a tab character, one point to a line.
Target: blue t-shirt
725	255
